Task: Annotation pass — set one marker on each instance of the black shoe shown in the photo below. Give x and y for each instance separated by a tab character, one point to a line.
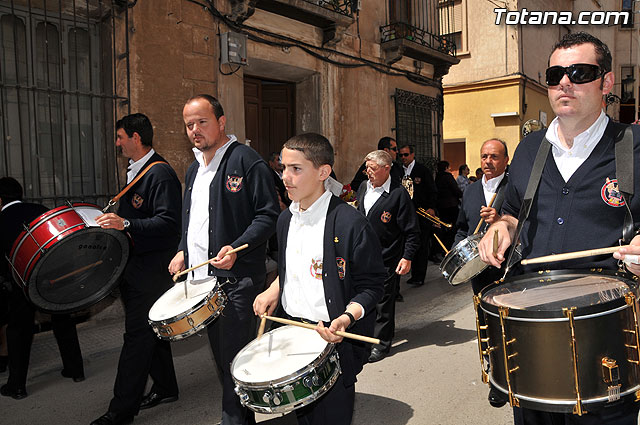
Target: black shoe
415	282
377	355
16	393
77	378
399	298
496	398
153	399
111	418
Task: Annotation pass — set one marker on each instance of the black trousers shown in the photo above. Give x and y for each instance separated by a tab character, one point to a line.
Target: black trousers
386	310
20	339
421	259
228	334
333	408
625	413
143	354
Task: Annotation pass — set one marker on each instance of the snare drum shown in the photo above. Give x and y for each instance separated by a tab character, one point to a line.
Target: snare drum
175	316
563	341
289	367
65	262
463	262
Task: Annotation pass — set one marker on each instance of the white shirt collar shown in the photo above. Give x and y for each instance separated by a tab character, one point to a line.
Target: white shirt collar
386	186
492	184
315	212
584	140
217	157
135	166
409	168
4	207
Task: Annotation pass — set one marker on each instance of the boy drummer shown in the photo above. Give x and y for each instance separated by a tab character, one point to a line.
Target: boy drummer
330	267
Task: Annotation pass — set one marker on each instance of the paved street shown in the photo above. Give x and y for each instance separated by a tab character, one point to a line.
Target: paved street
432	376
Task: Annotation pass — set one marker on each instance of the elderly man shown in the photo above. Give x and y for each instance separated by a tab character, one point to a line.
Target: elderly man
389	145
389	209
475	207
578	202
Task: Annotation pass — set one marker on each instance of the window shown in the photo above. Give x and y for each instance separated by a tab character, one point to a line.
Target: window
418	121
58	105
627	6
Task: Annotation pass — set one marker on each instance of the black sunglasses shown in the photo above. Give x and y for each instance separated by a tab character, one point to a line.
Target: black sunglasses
393	148
404	154
578	73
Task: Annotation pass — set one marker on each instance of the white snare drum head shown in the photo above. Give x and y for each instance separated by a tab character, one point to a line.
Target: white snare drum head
173	302
88	214
277	354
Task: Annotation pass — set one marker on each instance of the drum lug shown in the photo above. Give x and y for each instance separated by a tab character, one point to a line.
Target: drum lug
244	397
611	376
191	322
578	409
311	381
481	340
630	299
504	312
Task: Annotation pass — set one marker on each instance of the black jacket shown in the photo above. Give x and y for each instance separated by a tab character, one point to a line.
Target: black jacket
152	206
449	192
352	272
472	200
394	220
425	194
243	209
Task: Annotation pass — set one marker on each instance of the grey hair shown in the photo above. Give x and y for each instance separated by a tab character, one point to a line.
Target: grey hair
379	157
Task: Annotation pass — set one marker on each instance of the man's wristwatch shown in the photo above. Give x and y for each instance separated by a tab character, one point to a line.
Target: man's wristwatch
126	223
352	320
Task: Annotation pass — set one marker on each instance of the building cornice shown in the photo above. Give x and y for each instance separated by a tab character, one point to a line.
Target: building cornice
493	83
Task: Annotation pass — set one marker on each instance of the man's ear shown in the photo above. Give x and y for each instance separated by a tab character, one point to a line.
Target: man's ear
325	171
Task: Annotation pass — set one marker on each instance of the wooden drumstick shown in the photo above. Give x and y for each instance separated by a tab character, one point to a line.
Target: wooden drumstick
493	198
495	243
263	323
446	251
572	255
233	251
75	272
312	327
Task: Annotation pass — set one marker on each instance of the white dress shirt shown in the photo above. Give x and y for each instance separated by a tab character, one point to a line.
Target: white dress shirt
569	160
198	231
490	187
409	168
303	291
374	193
135	166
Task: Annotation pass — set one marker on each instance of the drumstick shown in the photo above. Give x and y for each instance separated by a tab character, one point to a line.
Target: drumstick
75	272
493	198
495	243
572	255
263	322
446	251
312	327
233	251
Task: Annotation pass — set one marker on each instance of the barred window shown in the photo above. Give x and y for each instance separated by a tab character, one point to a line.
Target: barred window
418	119
58	100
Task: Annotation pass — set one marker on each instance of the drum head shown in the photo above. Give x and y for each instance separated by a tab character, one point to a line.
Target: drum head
79	270
546	294
280	353
174	303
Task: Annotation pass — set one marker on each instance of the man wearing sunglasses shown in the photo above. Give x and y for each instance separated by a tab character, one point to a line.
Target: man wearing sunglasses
578	204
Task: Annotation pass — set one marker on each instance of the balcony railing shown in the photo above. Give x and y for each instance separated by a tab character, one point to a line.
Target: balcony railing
343	7
402	30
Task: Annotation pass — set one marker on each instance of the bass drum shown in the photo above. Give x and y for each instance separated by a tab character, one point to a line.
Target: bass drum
563	341
65	262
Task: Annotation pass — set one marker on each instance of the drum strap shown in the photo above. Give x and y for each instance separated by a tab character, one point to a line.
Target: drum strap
116	198
530	193
624	175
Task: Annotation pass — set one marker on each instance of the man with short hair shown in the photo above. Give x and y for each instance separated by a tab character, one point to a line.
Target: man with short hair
389	210
14	215
425	196
330	271
462	179
579	203
229	200
150	212
389	145
475	207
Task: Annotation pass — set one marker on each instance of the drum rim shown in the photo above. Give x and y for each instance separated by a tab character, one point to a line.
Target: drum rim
292	377
97	296
550	315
